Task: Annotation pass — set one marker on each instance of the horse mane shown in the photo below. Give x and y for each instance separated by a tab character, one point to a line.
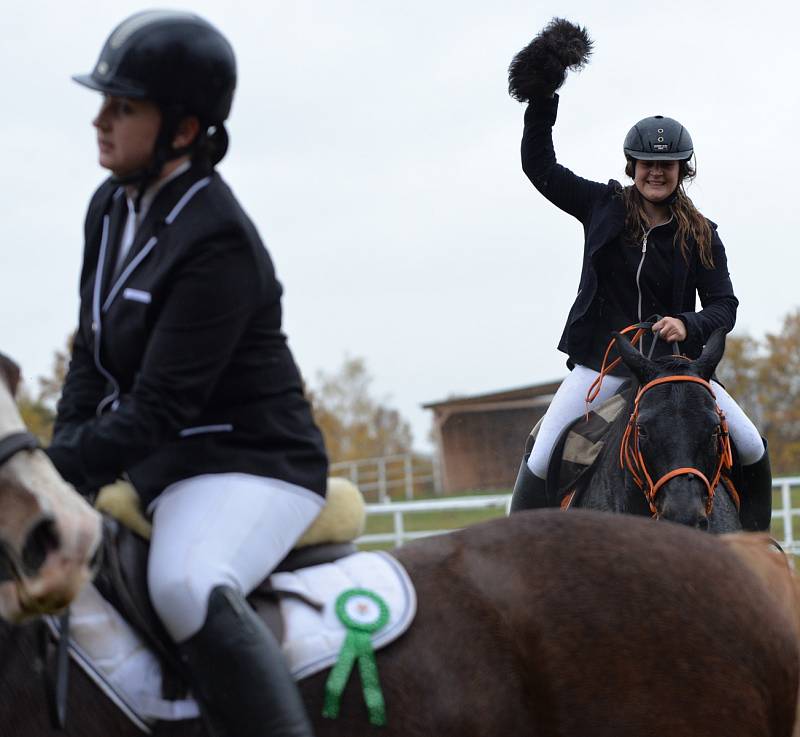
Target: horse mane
675	365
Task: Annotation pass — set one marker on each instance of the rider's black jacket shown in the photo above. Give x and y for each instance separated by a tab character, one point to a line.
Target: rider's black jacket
600	209
179	365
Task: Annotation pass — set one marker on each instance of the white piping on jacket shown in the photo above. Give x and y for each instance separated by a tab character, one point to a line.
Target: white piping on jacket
96	309
96	326
201	429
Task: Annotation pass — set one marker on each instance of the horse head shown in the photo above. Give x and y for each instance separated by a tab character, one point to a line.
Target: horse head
676	444
48	533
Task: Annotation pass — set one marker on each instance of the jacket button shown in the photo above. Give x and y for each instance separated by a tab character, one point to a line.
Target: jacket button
94	327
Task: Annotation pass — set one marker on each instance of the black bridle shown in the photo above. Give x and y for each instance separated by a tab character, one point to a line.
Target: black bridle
12	444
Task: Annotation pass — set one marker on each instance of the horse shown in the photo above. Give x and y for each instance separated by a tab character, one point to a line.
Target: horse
543	623
667	453
48	534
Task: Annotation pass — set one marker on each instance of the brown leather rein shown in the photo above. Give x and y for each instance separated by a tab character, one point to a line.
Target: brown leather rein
630	455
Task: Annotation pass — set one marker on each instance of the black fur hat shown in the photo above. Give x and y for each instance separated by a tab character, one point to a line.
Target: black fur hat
541	67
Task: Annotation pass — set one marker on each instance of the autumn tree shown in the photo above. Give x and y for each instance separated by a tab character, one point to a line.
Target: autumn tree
37	416
764	378
356	424
37	408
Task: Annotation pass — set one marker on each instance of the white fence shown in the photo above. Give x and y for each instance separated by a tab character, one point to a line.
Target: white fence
407	475
783	532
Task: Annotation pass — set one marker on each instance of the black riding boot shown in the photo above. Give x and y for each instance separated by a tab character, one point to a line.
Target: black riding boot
756	494
529	490
239	673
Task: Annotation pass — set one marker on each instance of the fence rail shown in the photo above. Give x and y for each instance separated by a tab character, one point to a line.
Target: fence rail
783	517
407	475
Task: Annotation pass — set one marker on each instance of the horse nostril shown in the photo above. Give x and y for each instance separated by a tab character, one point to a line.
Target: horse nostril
702	524
42	540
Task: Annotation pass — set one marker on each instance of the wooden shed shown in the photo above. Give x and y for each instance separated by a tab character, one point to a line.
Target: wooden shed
480	439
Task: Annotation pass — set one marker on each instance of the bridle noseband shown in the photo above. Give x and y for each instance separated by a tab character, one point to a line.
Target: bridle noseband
12	444
632	459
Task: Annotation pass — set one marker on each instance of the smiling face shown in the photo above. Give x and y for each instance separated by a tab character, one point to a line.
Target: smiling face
126	134
656	180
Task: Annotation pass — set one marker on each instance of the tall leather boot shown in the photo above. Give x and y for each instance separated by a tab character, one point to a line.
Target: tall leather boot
530	492
239	673
756	495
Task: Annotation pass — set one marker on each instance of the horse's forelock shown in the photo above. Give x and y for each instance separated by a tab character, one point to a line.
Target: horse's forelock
671	365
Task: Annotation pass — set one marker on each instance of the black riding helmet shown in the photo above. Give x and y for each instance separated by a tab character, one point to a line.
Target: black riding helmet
658	139
178	61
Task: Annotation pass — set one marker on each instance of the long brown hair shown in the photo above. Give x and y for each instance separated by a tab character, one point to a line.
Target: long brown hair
691	224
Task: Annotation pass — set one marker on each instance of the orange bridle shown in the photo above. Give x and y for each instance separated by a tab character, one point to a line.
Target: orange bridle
632	459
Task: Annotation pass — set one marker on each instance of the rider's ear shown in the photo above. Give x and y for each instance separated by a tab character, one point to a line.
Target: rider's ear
711	355
640	366
9	372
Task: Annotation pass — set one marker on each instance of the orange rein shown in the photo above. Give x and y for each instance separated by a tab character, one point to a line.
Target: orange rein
594	389
631	458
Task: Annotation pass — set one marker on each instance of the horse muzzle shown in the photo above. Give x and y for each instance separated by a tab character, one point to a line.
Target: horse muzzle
52	565
683	499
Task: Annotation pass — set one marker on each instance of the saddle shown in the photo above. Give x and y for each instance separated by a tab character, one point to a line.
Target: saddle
122	579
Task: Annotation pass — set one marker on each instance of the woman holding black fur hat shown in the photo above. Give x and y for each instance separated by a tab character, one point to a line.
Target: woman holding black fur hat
180	378
647	251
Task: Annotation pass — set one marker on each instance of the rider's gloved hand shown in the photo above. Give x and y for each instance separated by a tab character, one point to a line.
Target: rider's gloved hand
670	329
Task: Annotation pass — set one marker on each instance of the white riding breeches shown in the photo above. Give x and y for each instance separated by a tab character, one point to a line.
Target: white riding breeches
569	403
220	529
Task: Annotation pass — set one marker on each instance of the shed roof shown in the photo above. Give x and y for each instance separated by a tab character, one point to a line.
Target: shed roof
531	391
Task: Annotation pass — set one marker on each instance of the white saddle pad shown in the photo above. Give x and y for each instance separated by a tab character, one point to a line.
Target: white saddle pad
312	639
115	657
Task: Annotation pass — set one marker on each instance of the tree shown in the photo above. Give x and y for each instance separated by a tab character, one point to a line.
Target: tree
38	410
764	377
36	415
354	423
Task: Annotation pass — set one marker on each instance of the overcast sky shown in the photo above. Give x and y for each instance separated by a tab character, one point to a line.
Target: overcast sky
375	147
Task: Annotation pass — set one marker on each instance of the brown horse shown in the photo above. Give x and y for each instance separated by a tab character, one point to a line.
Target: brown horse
539	624
543	623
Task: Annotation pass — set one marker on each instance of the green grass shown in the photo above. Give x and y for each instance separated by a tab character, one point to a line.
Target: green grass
421	521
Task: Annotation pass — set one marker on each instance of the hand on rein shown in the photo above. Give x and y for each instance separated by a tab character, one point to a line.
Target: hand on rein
670	329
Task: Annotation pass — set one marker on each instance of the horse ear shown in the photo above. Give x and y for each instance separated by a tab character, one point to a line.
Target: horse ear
711	355
640	366
9	372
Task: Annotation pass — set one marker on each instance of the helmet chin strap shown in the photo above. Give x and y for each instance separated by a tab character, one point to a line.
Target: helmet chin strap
163	152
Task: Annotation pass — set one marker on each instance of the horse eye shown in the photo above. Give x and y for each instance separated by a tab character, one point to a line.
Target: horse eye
642	431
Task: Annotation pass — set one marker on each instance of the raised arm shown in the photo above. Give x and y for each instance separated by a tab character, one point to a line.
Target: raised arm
567	191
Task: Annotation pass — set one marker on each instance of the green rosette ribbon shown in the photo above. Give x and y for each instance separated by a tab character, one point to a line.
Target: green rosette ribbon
363	613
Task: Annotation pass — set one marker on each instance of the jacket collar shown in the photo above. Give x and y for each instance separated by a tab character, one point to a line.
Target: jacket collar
166	206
